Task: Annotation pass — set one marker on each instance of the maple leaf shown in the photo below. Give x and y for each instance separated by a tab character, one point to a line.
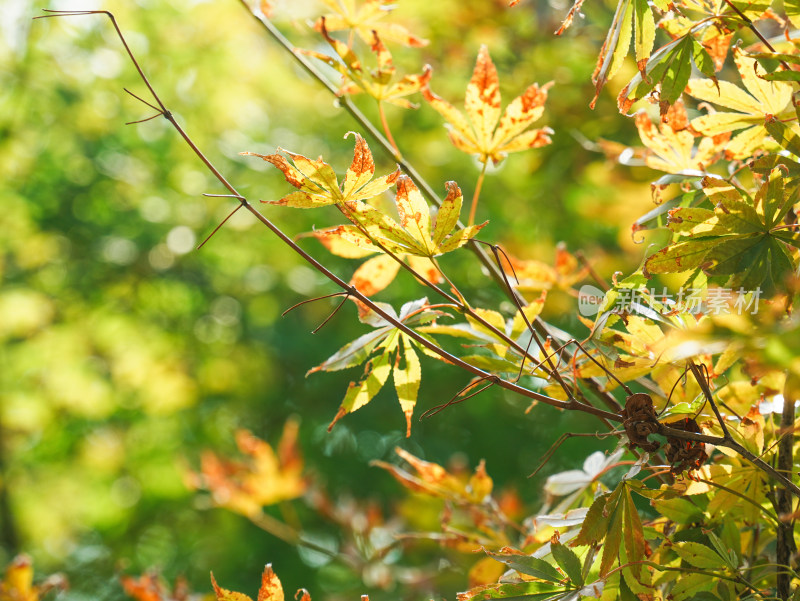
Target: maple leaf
633	18
149	587
317	183
17	584
666	74
434	480
748	111
364	18
411	240
377	83
374	231
386	350
271	589
536	276
486	131
742	238
502	357
264	479
671	148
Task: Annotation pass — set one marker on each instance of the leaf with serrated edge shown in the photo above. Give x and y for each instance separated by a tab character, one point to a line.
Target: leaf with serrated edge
375	274
345	241
226	595
697	555
449	211
486	132
526	564
317	183
375	375
415	215
407	374
569	562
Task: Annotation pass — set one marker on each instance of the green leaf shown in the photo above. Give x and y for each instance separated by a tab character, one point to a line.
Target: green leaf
615	48
634	534
375	375
690	584
698	555
595	525
526	564
645	33
740	238
569	562
670	68
353	353
783	134
615	511
680	510
407	374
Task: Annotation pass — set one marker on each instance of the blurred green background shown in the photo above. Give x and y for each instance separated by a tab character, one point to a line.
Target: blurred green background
124	352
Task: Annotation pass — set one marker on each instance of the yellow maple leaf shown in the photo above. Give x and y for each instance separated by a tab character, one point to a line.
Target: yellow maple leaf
271	588
17	584
748	109
316	181
671	149
378	83
264	479
364	18
486	130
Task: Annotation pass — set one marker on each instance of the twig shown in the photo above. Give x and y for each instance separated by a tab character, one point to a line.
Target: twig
351	290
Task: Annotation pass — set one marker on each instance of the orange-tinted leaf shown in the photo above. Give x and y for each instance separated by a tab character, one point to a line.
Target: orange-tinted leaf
146	587
415	216
18	582
317	183
346	241
366	18
672	149
263	479
487	131
271	588
226	595
375	274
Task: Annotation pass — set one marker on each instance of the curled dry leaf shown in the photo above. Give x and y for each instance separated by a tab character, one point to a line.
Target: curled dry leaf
486	130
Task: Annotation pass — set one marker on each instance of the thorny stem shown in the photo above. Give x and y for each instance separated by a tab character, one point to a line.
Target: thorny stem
478	185
388	131
351	290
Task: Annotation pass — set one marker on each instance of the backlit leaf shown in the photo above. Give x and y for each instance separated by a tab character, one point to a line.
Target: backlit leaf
317	183
365	17
748	109
568	561
527	564
741	238
488	131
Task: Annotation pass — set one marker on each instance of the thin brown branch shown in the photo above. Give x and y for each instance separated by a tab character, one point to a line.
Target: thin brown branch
351	290
496	274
